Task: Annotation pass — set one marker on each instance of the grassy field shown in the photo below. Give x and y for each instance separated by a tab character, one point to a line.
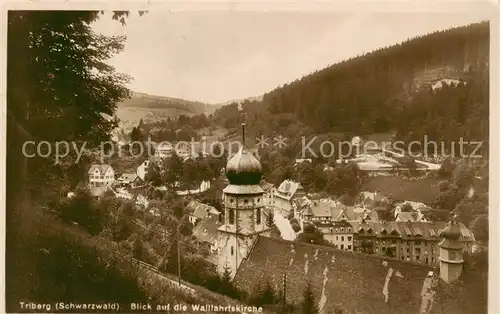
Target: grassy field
401	189
154	108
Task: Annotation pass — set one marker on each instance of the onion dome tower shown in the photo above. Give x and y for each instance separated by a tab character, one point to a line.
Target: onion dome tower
451	252
243	208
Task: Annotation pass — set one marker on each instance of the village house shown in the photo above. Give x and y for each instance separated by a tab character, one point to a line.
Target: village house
205	234
338	233
286	194
142	169
128	180
269	191
408	241
328	210
101	175
199	212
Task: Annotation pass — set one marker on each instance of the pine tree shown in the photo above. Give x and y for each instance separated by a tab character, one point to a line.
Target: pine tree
270	220
308	303
226	275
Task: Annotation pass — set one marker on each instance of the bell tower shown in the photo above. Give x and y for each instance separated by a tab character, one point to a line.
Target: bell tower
451	252
243	207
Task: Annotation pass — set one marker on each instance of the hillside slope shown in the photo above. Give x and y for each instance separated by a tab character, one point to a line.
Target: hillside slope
153	108
362	92
435	85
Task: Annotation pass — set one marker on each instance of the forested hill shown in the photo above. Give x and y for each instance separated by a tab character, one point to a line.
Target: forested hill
434	84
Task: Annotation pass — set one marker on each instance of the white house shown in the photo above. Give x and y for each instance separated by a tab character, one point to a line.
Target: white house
269	191
142	169
101	175
286	194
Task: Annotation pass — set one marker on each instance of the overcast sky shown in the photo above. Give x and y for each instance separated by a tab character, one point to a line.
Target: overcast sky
220	56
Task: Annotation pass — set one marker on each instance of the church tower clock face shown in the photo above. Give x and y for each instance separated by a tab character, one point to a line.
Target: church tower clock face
243	209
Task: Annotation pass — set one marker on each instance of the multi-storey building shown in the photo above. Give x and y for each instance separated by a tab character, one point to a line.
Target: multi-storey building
101	175
286	194
269	191
409	241
338	233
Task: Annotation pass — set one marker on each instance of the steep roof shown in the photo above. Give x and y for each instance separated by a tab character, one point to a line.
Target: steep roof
354	282
320	209
266	186
127	177
288	188
201	210
98	190
425	230
102	168
409	216
206	230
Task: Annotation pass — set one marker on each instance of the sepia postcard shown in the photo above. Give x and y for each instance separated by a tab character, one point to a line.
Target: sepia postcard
279	157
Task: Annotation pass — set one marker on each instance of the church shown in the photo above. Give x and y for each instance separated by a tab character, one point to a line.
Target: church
352	282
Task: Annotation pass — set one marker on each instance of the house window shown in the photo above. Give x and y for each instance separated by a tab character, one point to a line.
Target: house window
231	216
342	238
417	250
232	250
337	238
349	238
258	216
341	246
331	230
417	242
417	258
349	247
342	229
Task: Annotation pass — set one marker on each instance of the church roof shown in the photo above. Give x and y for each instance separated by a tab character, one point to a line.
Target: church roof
351	281
243	168
243	189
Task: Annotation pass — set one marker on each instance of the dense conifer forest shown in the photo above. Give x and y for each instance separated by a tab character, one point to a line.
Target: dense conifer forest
435	85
